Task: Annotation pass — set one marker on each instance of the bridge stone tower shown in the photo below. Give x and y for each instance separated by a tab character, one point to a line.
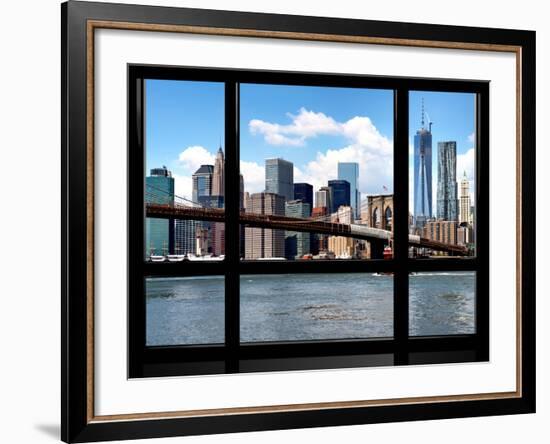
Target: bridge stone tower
378	214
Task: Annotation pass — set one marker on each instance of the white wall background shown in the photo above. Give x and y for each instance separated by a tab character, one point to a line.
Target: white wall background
30	206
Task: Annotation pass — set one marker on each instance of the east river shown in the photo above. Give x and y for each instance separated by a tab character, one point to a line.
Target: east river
307	307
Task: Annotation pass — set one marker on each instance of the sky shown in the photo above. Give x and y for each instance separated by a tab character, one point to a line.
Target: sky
313	127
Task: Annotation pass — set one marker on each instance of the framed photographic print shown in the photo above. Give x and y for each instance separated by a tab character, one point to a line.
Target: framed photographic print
276	221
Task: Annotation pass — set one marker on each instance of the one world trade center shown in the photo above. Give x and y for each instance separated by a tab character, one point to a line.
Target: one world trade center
423	173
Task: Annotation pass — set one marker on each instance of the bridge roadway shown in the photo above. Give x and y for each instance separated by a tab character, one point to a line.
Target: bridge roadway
375	236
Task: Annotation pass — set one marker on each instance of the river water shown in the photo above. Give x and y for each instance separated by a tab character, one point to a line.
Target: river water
307	307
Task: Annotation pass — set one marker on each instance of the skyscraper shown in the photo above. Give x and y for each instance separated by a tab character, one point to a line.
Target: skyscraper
423	173
159	233
323	198
265	242
218	178
340	193
464	199
279	178
447	202
350	171
304	192
297	243
202	182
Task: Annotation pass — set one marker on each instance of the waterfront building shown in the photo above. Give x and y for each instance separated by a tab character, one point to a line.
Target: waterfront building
323	198
297	243
441	231
342	247
304	192
279	178
319	242
265	242
340	193
202	244
465	203
159	233
447	201
202	182
463	236
216	230
185	236
350	171
423	173
218	174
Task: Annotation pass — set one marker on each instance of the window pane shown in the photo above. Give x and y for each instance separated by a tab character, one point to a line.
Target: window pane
317	169
301	307
442	173
184	179
182	311
442	303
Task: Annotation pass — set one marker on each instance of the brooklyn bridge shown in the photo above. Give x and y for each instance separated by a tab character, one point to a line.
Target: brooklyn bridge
182	208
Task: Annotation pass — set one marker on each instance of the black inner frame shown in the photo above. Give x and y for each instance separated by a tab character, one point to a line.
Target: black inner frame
233	356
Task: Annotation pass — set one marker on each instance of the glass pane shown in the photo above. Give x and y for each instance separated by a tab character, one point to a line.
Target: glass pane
184	180
317	172
442	303
183	311
302	307
442	173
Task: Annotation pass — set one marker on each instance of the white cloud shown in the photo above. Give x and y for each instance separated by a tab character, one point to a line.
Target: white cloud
366	146
254	176
472	138
183	186
466	163
191	158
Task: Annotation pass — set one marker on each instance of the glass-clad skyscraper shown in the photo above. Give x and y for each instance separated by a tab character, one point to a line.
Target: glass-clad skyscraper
350	171
159	233
447	199
423	174
340	194
279	178
304	192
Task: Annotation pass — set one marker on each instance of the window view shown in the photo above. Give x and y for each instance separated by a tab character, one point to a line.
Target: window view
306	306
442	173
184	196
317	166
442	303
187	310
184	180
310	251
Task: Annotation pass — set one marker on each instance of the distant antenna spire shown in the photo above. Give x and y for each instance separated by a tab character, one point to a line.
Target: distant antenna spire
422	112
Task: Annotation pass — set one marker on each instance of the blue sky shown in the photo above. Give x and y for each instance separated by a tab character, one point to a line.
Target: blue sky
311	126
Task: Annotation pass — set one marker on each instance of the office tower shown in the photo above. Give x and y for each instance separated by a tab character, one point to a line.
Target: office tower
304	192
323	198
342	247
216	230
241	192
202	182
441	231
297	243
279	178
350	171
340	193
184	236
423	173
159	233
218	178
319	241
464	199
265	242
447	201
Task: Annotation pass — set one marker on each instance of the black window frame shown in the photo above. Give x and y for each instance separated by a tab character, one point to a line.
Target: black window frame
235	357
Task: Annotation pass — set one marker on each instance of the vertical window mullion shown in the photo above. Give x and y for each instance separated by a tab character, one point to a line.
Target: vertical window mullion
401	226
232	238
